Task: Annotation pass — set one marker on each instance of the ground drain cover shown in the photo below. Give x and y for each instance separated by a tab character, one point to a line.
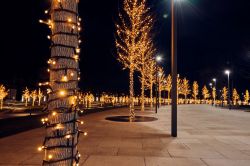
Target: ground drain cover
126	119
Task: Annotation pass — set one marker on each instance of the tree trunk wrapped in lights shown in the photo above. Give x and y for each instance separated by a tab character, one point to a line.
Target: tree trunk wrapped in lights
147	51
195	91
205	93
235	96
134	19
224	94
150	78
168	86
40	96
26	96
161	81
246	97
214	95
62	132
185	90
3	94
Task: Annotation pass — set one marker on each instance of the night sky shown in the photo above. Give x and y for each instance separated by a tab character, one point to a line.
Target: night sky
212	36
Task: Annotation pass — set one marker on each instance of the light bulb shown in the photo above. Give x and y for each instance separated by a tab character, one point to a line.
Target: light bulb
78	50
50	156
40	149
62	93
69	20
65	78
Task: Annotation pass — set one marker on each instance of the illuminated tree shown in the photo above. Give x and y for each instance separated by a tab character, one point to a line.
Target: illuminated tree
225	94
34	96
185	90
146	55
246	97
168	85
150	78
26	96
235	96
62	125
3	94
205	93
161	81
130	35
214	94
40	96
195	90
179	86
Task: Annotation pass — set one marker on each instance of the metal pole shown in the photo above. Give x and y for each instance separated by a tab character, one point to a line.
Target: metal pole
228	79
174	71
156	92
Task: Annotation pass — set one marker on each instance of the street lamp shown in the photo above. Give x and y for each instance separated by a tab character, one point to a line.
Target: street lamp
158	59
174	66
215	86
228	72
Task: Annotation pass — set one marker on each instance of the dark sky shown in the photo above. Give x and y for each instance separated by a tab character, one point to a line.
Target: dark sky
212	35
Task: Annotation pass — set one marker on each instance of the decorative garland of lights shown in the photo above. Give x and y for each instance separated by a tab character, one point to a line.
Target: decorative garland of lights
62	131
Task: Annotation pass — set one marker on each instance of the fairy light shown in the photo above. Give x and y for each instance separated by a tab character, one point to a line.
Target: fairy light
78	50
62	93
76	57
68	136
64	78
50	157
69	20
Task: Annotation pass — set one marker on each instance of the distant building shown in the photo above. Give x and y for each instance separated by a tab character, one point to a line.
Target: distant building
12	94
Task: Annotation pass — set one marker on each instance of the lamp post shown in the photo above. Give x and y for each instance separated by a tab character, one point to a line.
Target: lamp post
158	59
228	72
215	86
174	70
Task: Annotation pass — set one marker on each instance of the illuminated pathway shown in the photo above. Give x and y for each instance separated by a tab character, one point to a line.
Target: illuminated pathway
207	137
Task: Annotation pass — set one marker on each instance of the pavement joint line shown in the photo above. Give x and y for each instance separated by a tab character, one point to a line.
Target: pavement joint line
145	161
204	161
85	160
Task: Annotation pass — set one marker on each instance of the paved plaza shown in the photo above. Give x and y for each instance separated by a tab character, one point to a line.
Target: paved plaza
207	136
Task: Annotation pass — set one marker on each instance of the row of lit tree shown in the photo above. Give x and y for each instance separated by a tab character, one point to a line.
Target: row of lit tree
34	95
